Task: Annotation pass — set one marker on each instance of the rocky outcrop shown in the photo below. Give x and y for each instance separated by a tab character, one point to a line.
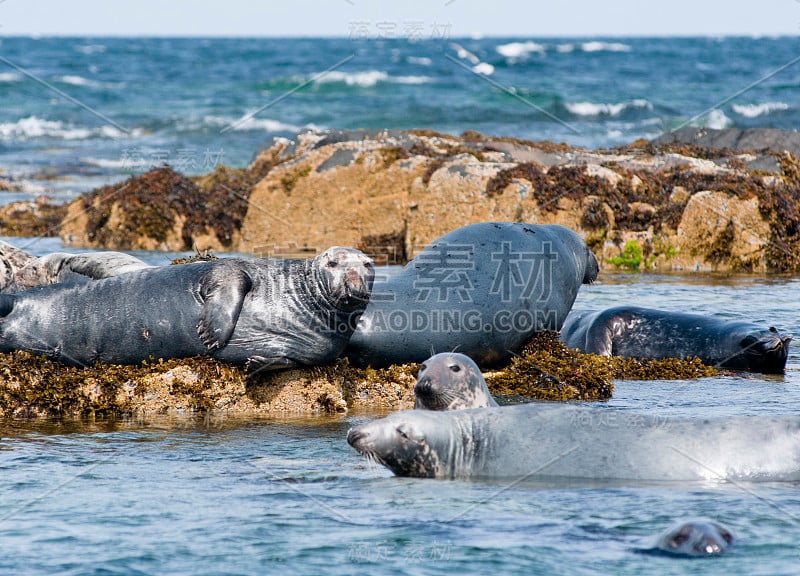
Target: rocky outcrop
40	217
32	386
390	193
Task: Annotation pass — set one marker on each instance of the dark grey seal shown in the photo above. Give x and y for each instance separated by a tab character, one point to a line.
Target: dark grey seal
451	381
589	442
277	313
636	332
482	290
697	537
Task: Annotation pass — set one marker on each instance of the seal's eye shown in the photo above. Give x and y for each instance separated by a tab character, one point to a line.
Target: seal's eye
402	433
423	367
332	263
455	368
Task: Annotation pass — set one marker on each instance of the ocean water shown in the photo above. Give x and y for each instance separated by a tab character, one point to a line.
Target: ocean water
79	112
215	495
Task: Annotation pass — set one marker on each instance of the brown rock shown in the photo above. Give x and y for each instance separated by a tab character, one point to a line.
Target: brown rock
717	228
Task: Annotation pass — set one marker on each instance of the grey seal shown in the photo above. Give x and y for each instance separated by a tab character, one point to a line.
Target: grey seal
637	332
589	442
276	313
451	381
12	259
696	537
61	267
482	290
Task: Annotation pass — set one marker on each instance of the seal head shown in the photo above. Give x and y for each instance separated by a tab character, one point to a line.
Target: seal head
700	537
451	381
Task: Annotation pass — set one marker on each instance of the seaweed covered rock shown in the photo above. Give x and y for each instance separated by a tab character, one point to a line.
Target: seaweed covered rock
41	217
32	386
548	370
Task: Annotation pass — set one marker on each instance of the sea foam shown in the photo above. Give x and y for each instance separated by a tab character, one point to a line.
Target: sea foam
756	110
603	109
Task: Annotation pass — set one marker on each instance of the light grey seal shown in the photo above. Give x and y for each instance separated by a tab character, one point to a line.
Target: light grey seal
637	332
697	537
276	313
589	442
451	381
482	290
11	260
61	267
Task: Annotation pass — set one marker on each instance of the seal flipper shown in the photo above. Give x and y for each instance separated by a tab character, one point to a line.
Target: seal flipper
223	291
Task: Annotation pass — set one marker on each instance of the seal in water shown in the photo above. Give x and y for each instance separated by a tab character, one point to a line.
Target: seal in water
482	290
451	381
698	537
646	333
277	313
569	441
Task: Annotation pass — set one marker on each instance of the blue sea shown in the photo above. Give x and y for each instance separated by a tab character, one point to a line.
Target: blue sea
78	112
217	495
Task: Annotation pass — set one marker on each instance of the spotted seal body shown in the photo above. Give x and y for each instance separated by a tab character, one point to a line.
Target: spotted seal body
12	259
637	332
482	290
698	537
61	267
273	312
569	441
451	381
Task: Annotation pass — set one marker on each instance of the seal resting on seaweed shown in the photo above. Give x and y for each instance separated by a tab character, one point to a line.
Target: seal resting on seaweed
636	332
482	290
276	313
571	441
451	381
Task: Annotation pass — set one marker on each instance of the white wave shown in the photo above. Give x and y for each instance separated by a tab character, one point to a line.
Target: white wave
601	109
246	123
516	50
9	77
756	110
106	162
483	68
369	78
420	61
33	127
715	119
76	80
91	48
596	46
465	54
565	48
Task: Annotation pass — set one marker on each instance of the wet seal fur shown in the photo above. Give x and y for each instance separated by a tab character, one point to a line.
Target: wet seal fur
697	537
482	290
636	332
451	381
571	441
276	313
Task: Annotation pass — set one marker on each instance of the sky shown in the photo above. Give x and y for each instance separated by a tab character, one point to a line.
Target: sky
453	18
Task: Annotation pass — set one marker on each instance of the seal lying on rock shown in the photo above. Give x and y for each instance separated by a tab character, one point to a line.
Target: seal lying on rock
589	442
277	313
699	537
12	259
20	270
482	290
60	267
646	333
451	381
